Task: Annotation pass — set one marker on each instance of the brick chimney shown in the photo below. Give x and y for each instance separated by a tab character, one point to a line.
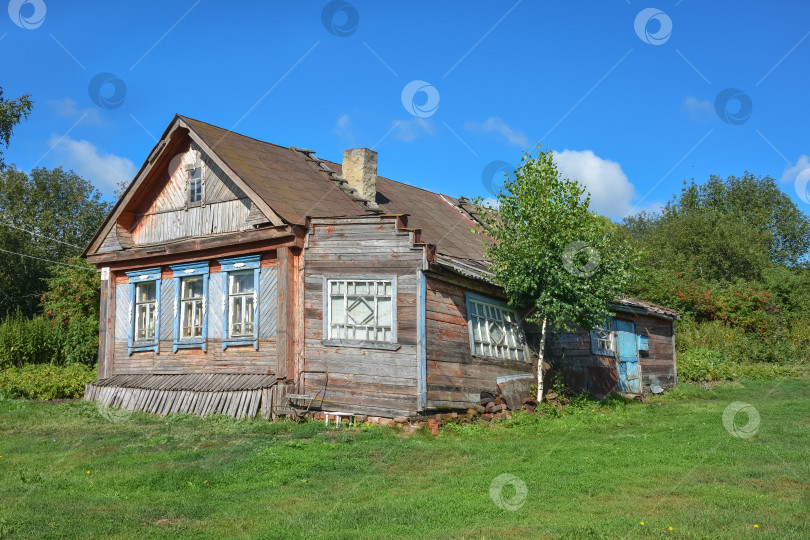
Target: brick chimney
360	171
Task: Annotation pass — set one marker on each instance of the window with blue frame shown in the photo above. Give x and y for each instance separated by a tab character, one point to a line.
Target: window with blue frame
240	318
190	305
603	339
144	301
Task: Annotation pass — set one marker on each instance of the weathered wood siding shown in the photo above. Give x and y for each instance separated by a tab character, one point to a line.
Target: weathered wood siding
598	374
371	381
168	216
242	359
657	367
236	359
582	370
456	378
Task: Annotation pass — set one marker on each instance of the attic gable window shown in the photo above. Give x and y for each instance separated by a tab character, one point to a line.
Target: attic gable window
195	184
495	329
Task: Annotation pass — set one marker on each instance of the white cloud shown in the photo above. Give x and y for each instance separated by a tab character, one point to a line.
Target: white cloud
103	170
791	173
493	124
410	130
343	127
491	202
67	108
612	194
699	111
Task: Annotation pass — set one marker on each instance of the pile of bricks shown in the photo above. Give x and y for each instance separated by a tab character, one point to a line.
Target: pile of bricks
490	407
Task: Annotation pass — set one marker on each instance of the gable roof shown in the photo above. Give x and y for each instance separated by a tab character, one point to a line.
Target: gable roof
279	175
296	189
291	185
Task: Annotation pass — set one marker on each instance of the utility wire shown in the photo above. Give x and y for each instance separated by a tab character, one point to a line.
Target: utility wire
47	260
38	234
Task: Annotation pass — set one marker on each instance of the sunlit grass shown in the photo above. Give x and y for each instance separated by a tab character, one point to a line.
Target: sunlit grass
598	472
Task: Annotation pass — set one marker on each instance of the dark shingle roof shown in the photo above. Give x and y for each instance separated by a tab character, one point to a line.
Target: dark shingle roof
295	189
648	307
279	175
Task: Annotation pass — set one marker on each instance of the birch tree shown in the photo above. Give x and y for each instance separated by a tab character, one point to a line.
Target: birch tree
552	255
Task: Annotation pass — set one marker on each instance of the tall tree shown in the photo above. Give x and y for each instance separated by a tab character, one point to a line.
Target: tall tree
12	111
724	229
550	253
45	218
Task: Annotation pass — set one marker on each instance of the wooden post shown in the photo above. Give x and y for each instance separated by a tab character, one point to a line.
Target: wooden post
287	313
106	330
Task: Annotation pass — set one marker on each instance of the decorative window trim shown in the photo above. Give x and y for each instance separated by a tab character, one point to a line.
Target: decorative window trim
239	264
521	337
357	343
608	338
142	276
181	271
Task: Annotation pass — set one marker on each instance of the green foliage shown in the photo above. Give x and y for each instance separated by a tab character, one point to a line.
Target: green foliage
26	341
730	255
12	111
47	215
701	365
80	341
787	345
724	229
550	252
42	340
73	291
46	381
67	333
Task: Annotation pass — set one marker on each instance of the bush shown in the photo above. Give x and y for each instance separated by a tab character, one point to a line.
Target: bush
46	381
787	345
702	365
42	340
29	341
80	341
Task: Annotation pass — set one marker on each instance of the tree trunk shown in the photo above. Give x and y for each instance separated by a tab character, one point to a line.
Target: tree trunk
540	363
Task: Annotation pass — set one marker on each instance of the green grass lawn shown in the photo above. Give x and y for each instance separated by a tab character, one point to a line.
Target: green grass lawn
67	472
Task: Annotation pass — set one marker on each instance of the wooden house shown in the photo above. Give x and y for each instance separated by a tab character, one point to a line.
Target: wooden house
242	277
633	353
239	277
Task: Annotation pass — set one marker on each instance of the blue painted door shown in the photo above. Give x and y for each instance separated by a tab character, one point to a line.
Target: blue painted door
629	380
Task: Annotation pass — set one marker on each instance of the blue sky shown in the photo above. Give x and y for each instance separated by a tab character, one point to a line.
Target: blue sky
634	97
